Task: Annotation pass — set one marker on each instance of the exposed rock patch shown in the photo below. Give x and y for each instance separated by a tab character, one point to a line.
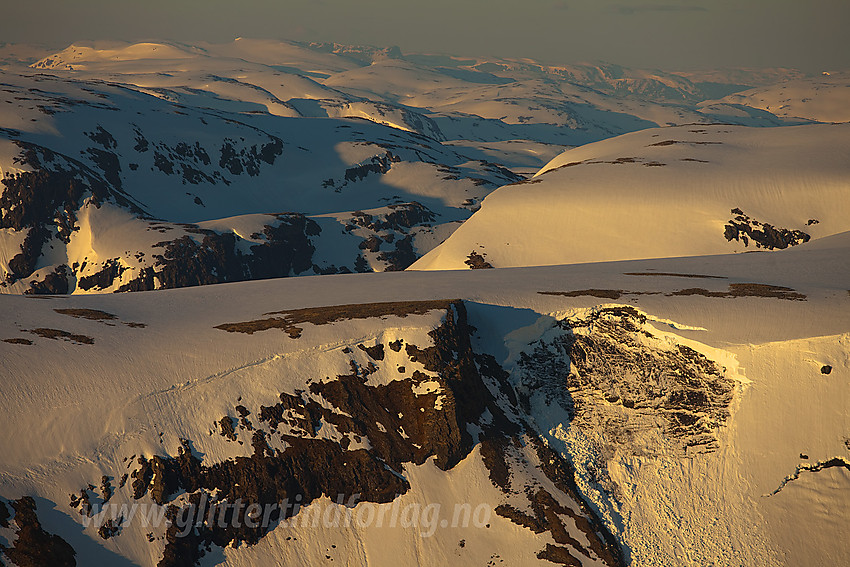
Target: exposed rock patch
110	528
35	547
674	275
379	164
23	264
600	293
689	143
17	341
90	314
227	429
735	290
376	352
400	216
54	283
330	314
104	278
57	334
401	257
839	462
286	250
476	261
742	228
747	290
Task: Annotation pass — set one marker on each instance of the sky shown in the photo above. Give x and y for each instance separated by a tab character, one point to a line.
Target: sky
810	35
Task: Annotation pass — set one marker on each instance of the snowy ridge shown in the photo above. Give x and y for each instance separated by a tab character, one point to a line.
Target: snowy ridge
639	474
679	191
195	134
646	365
362	420
823	99
172	167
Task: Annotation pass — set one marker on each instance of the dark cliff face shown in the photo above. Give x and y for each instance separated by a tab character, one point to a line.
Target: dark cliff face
287	250
33	546
288	246
45	204
615	375
384	428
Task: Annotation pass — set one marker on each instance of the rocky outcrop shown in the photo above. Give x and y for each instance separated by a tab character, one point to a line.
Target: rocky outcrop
54	283
58	334
379	164
834	462
43	203
476	261
379	430
742	228
286	245
34	547
104	278
289	320
614	373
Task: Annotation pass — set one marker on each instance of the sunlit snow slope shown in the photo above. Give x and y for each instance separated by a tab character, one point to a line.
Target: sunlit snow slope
679	191
823	99
160	164
656	372
694	409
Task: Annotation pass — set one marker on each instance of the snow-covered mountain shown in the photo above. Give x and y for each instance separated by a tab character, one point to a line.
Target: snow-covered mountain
654	374
607	414
484	100
677	191
258	159
105	187
823	99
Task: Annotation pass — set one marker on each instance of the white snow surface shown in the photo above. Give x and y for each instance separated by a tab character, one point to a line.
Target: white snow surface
823	98
170	109
176	375
661	193
635	220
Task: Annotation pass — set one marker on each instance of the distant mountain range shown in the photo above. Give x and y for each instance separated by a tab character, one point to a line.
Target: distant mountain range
315	158
577	315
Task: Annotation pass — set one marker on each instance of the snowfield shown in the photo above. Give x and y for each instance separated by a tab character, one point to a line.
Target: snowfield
190	136
648	364
651	492
823	98
678	191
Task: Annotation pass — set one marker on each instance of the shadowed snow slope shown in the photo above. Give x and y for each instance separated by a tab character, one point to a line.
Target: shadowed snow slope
154	165
104	187
626	388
